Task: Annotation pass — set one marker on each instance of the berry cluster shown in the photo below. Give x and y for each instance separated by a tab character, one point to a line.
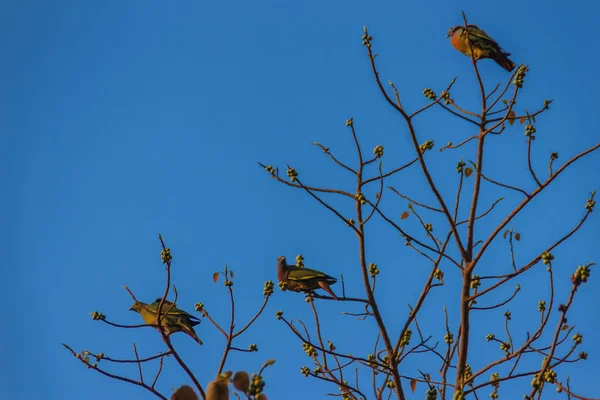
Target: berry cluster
292	174
309	350
547	257
361	198
428	145
581	275
373	270
530	131
166	256
430	94
268	288
446	97
256	386
96	316
520	76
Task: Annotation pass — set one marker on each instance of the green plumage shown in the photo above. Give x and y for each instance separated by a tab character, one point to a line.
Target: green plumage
303	279
481	39
173	319
481	45
306	278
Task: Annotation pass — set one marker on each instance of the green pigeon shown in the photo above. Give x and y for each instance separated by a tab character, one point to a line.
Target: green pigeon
303	279
175	320
483	45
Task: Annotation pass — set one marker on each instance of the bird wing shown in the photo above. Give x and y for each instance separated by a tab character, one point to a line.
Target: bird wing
480	36
307	274
173	311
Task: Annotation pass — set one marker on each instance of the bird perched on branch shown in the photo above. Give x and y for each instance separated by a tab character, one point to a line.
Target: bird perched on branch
483	46
172	318
303	279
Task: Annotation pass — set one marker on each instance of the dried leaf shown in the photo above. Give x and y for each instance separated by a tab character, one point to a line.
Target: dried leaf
268	363
468	172
413	385
215	277
184	393
217	390
565	327
231	274
511	117
518	236
522	120
404	215
505	233
505	101
241	381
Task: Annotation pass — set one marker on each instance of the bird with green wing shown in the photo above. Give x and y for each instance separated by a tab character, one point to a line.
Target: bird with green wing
303	279
482	45
173	319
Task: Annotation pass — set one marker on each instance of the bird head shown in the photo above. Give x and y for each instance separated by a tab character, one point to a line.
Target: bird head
281	260
137	307
452	30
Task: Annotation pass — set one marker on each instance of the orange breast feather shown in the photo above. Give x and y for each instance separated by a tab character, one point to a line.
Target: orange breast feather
460	44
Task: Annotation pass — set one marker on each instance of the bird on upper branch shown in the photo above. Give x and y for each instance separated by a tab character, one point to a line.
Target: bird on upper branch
482	44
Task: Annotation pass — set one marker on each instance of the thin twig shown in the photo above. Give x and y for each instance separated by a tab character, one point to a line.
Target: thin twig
138	363
117	377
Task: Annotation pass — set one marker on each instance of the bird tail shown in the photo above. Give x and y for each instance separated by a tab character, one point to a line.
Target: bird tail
325	287
505	62
192	333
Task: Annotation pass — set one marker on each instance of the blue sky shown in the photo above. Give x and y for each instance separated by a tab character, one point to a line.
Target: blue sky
121	120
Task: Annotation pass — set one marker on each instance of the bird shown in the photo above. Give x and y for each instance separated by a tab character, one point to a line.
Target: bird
483	45
174	320
303	279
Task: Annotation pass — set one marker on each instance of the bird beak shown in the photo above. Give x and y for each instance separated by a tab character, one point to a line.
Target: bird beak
131	309
448	35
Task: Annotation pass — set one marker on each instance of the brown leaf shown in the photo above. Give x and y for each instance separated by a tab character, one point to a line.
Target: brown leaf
511	117
217	390
231	274
413	385
404	215
215	277
522	120
468	172
505	233
518	236
505	101
565	327
184	393
241	381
